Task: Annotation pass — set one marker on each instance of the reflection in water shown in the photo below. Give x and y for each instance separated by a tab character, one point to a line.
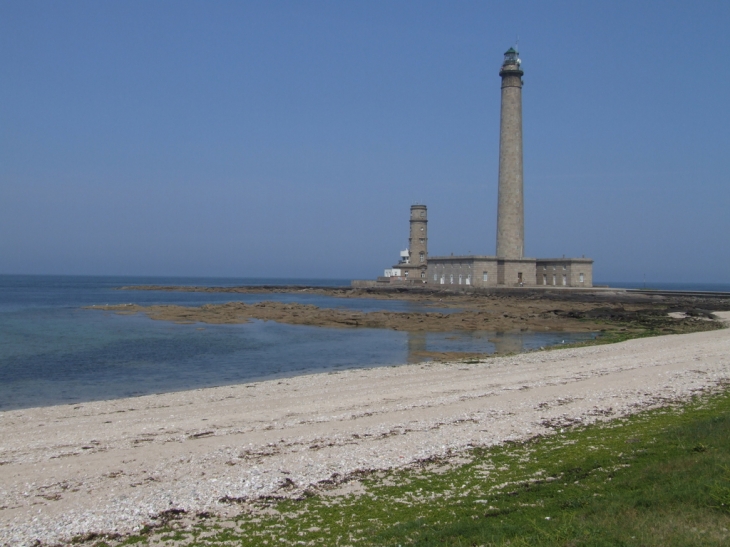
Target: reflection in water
423	346
507	342
416	347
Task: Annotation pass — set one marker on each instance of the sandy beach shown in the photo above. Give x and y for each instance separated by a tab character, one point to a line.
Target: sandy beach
113	466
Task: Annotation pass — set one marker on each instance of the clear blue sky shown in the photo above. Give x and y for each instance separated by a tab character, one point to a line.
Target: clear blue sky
289	139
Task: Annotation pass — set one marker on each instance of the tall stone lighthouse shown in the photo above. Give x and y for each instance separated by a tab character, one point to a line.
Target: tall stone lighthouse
510	267
510	212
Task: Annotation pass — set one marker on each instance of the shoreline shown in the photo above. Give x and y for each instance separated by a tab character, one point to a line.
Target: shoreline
111	466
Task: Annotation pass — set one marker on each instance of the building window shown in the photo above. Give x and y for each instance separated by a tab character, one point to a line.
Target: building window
580	278
468	279
544	267
422	257
443	280
435	277
544	279
553	270
485	277
421	240
565	280
459	279
554	283
564	268
406	274
423	275
451	279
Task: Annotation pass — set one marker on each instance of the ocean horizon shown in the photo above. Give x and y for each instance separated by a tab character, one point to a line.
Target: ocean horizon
232	281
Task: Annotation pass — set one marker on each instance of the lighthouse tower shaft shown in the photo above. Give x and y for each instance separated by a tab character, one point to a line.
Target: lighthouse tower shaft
510	212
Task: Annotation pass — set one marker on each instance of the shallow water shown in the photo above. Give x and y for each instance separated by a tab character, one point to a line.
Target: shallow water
53	351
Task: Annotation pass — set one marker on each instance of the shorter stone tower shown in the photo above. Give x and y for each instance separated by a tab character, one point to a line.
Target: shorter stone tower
418	240
414	260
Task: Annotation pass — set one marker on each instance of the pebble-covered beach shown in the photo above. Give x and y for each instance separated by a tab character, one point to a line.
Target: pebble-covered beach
112	466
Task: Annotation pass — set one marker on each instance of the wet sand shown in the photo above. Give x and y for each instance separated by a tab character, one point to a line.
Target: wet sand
114	466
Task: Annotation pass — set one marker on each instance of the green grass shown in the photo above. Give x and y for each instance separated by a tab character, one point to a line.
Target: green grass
660	478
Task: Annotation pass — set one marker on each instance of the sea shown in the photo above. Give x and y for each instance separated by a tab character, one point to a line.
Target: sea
664	286
55	351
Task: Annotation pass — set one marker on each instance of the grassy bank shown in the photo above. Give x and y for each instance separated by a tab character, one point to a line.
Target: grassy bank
657	478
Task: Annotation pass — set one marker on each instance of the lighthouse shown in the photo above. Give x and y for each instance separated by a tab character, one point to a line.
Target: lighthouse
511	209
509	268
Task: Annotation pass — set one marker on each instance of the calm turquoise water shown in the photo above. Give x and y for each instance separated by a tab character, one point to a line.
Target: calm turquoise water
52	351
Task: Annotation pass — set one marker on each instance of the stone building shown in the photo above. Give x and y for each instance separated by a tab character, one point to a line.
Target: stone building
491	271
509	267
411	267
